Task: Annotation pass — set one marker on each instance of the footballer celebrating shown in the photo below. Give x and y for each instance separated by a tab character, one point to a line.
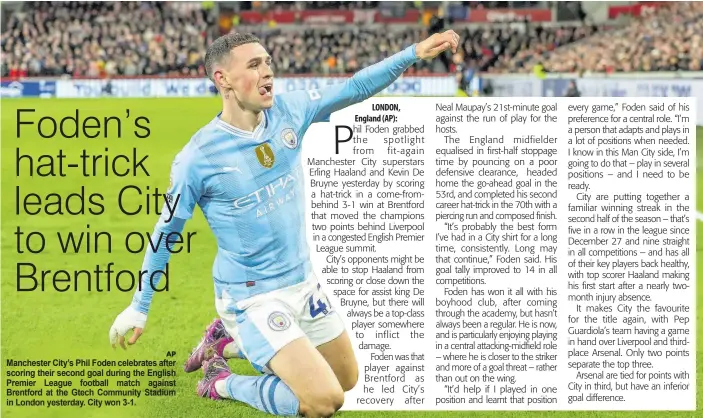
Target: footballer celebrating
244	170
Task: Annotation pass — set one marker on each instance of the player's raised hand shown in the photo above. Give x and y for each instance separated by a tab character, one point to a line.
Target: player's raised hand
129	319
436	44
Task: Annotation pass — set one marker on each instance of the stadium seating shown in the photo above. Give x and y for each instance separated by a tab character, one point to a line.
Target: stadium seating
98	39
91	39
346	50
123	39
668	39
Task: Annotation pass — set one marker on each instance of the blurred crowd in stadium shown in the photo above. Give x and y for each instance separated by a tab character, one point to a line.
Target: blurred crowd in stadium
671	39
104	39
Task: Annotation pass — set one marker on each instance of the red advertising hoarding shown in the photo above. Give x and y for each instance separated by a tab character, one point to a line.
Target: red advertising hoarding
637	10
373	16
509	15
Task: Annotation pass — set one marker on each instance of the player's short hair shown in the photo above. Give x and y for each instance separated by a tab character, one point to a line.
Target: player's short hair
222	46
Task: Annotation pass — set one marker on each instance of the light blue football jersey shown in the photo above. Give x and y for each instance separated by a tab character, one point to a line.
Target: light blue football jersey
250	187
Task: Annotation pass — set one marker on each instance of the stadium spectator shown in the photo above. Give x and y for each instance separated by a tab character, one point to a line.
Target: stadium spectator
344	50
154	46
336	52
92	39
100	39
573	90
670	39
519	49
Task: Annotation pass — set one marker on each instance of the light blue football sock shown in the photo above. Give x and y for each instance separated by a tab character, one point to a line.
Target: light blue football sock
266	393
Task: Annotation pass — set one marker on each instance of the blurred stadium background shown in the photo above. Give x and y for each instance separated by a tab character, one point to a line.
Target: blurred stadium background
520	48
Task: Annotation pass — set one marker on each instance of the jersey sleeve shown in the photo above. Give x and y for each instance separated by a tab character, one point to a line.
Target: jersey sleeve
165	235
183	194
318	104
185	188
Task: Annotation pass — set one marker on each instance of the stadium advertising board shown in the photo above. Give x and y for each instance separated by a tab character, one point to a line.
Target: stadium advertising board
514	87
625	88
171	87
34	88
459	13
636	10
286	17
406	86
509	15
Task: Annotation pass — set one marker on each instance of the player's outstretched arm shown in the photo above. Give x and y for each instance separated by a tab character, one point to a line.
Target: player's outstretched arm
375	78
183	194
133	318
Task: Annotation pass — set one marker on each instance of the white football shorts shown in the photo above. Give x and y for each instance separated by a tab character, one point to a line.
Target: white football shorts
265	323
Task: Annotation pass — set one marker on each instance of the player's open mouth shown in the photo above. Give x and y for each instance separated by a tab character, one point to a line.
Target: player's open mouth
266	90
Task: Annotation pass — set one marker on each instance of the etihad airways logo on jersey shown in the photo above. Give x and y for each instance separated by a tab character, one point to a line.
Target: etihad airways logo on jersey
271	196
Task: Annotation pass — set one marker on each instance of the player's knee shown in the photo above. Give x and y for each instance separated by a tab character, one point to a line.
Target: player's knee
350	379
327	403
337	400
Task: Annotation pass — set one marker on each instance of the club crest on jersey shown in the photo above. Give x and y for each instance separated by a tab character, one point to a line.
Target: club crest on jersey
278	321
289	138
264	154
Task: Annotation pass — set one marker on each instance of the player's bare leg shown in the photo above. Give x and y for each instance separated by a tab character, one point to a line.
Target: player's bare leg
309	376
339	354
302	384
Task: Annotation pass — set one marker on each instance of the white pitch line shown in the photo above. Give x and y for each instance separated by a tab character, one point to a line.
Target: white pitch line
699	216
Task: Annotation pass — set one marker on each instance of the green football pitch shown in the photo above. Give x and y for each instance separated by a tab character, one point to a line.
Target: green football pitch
74	325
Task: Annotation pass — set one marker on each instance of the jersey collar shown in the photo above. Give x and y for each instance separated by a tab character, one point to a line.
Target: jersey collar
240	132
